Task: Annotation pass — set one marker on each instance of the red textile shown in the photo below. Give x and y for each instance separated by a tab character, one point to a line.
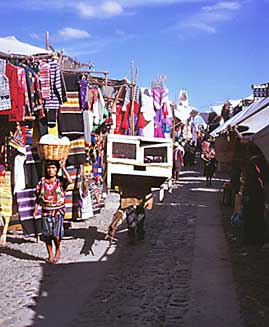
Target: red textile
127	113
18	91
141	121
118	119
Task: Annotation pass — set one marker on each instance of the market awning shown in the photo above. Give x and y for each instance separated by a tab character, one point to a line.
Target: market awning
256	122
240	117
183	112
261	139
12	46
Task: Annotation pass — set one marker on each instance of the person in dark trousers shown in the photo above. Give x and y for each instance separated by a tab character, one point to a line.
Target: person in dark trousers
178	161
253	200
135	197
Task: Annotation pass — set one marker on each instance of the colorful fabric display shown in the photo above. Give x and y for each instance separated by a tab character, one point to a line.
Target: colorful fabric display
101	195
72	196
44	77
2	66
83	94
28	135
5	102
52	105
6	198
17	139
72	205
94	192
147	108
26	202
77	154
18	93
93	96
75	176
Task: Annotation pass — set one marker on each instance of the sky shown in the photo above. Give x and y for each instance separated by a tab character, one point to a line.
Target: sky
213	49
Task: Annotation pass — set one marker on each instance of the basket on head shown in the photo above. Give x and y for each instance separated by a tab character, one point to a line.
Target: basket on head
53	151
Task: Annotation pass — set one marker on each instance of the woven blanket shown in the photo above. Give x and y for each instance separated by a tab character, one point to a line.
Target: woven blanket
77	154
26	202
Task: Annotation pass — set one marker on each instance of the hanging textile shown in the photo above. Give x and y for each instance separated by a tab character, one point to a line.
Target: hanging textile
53	103
85	200
72	196
19	176
44	77
20	104
6	195
77	154
5	102
26	200
147	108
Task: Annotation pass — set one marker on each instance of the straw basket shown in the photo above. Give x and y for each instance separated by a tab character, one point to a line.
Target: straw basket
53	151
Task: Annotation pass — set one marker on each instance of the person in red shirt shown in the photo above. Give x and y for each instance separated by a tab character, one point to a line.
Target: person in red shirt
50	195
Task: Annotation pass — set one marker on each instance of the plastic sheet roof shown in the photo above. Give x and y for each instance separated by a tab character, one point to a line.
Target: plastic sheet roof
240	117
11	45
261	139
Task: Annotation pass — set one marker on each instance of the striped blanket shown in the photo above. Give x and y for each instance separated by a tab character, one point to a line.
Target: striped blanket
72	196
77	154
26	202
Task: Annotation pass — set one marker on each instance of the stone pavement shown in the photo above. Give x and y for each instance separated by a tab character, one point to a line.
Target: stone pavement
179	276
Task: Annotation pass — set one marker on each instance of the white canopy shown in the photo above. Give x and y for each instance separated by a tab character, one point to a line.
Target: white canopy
262	140
256	122
183	112
10	45
240	117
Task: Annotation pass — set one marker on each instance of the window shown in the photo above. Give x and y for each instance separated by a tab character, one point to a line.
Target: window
123	150
155	154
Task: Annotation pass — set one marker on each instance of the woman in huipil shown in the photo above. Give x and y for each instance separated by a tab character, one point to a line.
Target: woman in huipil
50	195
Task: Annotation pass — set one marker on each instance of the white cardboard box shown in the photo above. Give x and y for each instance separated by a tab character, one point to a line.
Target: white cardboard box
139	156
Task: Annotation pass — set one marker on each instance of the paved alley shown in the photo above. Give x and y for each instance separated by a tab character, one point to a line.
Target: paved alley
180	275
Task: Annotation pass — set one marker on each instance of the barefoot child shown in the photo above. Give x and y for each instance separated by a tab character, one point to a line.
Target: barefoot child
50	194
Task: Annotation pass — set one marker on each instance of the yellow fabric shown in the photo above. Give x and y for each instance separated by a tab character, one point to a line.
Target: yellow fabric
54	130
6	195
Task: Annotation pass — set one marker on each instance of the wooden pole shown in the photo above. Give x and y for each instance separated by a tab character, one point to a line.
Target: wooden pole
47	40
132	127
105	73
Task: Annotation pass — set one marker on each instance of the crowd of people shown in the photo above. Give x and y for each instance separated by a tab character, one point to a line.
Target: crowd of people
185	149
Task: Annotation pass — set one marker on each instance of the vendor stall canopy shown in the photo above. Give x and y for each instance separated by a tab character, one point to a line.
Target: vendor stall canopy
256	115
12	46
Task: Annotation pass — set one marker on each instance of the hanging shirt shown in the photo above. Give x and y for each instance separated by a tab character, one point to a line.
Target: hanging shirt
44	77
52	105
19	175
5	102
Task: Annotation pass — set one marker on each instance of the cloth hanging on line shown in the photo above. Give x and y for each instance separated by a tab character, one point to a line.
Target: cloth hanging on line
26	200
5	102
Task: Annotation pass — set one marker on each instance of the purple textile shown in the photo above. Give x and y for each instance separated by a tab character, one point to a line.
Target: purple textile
26	202
83	89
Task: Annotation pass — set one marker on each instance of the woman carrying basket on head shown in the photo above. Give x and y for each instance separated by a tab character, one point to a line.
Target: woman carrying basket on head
50	195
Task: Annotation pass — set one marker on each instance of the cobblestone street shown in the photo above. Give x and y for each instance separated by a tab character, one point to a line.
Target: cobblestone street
169	279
